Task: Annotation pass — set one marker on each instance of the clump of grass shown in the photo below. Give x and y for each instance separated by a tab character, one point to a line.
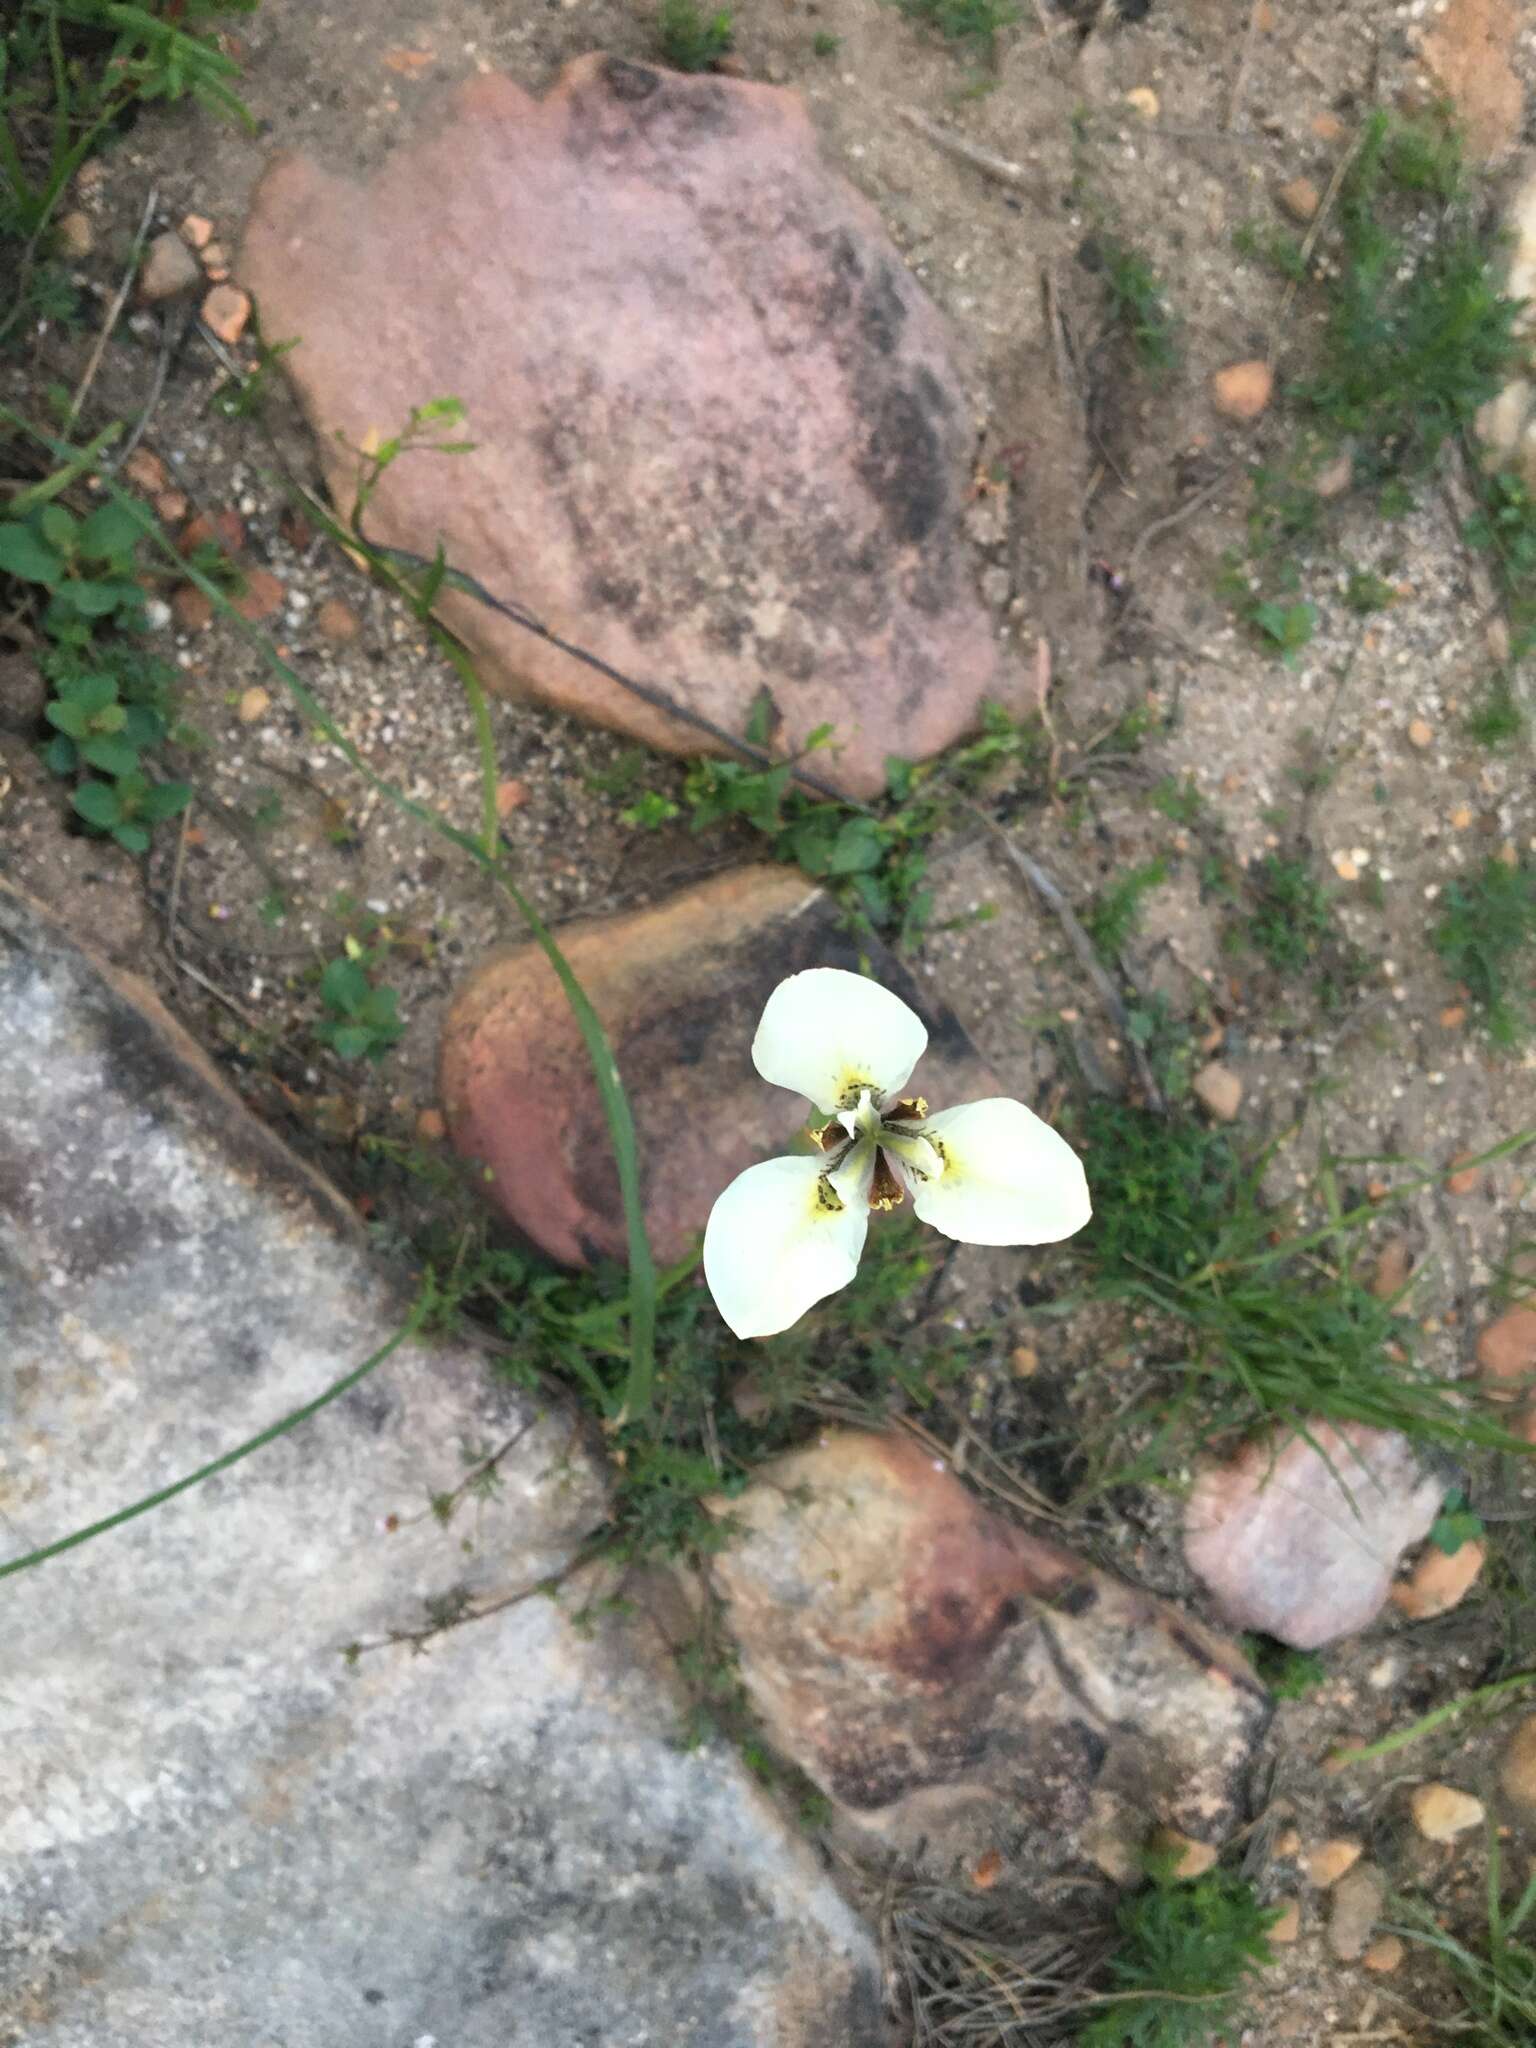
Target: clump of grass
1295	928
1419	333
1497	719
1115	913
1187	1958
1486	939
1138	308
690	40
1256	1318
968	22
1289	1674
1497	1977
1504	529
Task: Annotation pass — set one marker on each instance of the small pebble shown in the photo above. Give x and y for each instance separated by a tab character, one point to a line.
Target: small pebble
1462	1179
1335	477
1439	1582
76	236
157	614
1355	1905
1441	1812
1191	1858
171	507
191	609
1506	1350
1144	100
1328	127
1383	1955
1328	1863
1421	733
225	311
1453	1017
337	621
261	597
145	471
169	269
196	231
1242	390
1025	1361
431	1126
1393	1266
1300	198
1218	1090
1288	1927
1517	1773
1288	1843
254	703
511	795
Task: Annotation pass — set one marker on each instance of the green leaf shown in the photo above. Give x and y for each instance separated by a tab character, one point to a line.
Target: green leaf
111	755
344	987
96	600
351	1041
858	848
91	693
135	838
142	725
110	535
165	799
68	718
22	554
61	755
60	529
98	804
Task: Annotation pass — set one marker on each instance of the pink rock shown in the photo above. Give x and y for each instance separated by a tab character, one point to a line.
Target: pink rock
951	1679
679	987
720	437
1302	1541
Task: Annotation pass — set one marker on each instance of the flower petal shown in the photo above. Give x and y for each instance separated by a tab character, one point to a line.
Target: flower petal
828	1034
1008	1178
781	1236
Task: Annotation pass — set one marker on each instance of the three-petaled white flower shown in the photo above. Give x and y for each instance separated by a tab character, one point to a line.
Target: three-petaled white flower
790	1231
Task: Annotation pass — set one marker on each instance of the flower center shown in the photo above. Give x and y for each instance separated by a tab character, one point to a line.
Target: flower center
902	1153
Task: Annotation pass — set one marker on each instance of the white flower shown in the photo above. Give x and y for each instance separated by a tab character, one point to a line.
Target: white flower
787	1232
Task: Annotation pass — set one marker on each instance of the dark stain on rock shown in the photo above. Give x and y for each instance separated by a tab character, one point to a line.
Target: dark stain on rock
950	1636
883	314
630	82
903	466
1076	1599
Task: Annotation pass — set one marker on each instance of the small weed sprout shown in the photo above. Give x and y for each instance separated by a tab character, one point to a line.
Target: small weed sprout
1137	306
690	40
1116	913
1188	1954
111	703
362	1019
1486	939
973	23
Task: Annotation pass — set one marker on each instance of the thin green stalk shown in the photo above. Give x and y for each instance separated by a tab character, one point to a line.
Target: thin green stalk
407	1330
1400	1738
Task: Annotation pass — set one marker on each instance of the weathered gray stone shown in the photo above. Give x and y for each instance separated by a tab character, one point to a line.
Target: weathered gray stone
720	437
213	1828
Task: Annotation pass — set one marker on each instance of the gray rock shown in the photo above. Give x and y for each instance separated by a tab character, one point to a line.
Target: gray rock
168	270
1354	1906
214	1828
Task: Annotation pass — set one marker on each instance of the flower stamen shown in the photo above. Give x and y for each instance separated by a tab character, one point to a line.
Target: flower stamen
885	1190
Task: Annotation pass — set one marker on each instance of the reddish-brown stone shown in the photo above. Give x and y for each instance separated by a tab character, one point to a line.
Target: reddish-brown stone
1301	1539
947	1676
720	439
679	988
